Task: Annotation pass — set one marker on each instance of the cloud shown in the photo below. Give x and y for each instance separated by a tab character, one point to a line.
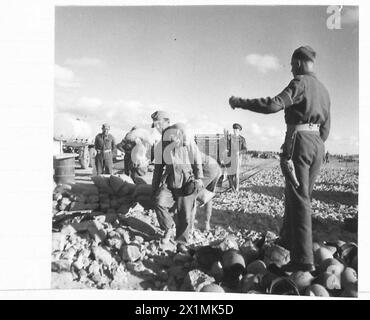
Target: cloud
84	62
65	78
350	15
272	132
263	63
255	129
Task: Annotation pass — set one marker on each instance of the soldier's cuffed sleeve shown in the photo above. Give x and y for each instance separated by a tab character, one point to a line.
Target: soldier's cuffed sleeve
290	95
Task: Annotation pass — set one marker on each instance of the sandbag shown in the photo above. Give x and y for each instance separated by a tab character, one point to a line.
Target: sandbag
145	201
144	135
143	190
116	183
102	183
126	178
127	190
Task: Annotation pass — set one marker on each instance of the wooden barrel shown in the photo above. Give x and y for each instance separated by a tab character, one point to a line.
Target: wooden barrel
64	168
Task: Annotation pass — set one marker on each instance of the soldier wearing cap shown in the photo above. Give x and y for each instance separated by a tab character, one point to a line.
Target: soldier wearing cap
161	120
238	147
306	105
105	146
176	180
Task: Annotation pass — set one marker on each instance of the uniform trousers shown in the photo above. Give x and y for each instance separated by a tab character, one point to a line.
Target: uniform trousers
104	163
296	232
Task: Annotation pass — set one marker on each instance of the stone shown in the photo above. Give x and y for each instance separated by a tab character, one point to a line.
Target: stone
97	231
135	266
102	255
195	280
137	208
94	268
124	234
249	251
115	242
58	241
61	266
139	239
182	258
130	253
57	196
212	288
277	255
167	246
230	242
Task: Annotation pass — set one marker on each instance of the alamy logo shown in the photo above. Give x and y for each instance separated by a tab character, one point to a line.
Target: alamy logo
334	20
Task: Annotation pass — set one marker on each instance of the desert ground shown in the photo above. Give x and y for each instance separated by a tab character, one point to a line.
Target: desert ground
105	241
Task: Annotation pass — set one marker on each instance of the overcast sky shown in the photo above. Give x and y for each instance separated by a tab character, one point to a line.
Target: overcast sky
120	64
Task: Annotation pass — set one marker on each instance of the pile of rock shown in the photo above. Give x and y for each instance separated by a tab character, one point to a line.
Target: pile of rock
106	236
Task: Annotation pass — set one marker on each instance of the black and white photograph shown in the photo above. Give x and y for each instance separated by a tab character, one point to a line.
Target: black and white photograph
206	149
258	109
173	150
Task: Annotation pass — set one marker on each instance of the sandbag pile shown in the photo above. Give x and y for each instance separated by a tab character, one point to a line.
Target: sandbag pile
123	187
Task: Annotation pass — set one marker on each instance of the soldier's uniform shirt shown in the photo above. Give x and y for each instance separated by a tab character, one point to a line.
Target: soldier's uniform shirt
305	100
105	146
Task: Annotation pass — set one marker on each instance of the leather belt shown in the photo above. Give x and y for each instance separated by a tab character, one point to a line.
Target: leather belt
304	127
108	150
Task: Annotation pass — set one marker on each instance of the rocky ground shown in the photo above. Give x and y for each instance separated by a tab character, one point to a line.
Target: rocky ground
107	237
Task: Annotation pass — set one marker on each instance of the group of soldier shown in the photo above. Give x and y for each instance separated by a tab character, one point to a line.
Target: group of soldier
183	176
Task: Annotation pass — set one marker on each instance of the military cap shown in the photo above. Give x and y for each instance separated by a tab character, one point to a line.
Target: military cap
106	125
237	126
304	53
160	115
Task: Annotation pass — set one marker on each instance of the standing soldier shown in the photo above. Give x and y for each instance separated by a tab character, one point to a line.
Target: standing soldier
104	146
232	147
238	147
306	104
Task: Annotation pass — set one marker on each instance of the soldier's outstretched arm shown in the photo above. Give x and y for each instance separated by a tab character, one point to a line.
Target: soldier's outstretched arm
290	95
